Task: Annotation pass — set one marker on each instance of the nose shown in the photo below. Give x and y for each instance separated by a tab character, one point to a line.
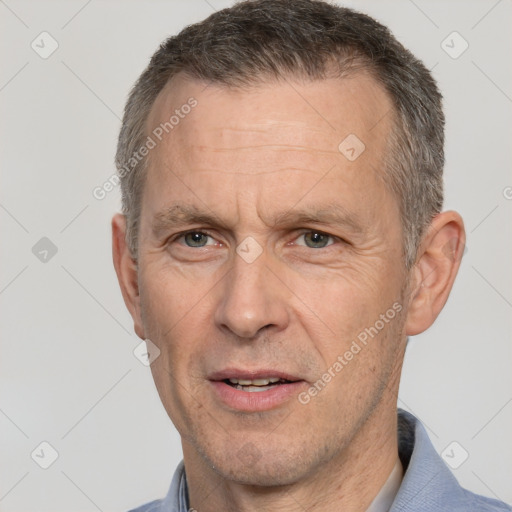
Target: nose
253	299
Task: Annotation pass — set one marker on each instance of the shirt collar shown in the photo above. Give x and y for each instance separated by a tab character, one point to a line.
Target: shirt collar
383	501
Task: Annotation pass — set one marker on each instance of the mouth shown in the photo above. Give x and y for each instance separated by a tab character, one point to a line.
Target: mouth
256	390
256	385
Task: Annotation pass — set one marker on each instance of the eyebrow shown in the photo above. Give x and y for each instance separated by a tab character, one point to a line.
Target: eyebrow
330	213
178	215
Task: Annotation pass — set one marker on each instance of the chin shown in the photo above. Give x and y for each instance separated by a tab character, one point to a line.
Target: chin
267	466
260	474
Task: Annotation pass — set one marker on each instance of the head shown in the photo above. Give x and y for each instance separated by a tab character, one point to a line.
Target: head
283	220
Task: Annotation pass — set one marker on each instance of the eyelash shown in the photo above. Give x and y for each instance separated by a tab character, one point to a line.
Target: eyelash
181	236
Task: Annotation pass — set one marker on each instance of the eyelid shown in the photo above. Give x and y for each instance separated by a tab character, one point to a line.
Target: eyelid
298	233
304	231
182	234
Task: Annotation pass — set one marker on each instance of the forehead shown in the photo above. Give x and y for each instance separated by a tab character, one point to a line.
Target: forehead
318	112
287	132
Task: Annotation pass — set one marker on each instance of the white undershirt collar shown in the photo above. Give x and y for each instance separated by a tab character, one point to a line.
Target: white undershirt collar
388	492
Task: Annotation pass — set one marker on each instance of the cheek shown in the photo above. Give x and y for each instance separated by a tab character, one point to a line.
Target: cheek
167	310
174	312
355	331
168	297
358	353
343	303
177	312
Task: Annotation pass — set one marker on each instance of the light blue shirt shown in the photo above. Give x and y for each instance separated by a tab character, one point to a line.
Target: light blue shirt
427	484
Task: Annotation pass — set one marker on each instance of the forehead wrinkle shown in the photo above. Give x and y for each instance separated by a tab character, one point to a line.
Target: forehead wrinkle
253	173
270	128
190	158
281	147
181	164
294	134
266	126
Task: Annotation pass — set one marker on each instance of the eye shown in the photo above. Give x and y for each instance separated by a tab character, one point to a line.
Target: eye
315	239
197	239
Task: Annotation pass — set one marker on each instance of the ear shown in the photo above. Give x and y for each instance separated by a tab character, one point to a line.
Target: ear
126	270
437	263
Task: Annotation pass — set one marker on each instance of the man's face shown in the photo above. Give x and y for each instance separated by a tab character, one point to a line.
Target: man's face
265	252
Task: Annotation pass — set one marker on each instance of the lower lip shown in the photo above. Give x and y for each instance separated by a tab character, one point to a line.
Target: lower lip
250	401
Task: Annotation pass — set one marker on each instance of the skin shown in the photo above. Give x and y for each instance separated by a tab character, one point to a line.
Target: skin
250	161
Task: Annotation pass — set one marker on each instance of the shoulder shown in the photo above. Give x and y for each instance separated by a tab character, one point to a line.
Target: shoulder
482	504
176	499
428	485
152	506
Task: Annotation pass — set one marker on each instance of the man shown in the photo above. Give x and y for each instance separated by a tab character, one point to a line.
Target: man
281	237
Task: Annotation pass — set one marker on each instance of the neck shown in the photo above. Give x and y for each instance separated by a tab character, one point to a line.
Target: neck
349	481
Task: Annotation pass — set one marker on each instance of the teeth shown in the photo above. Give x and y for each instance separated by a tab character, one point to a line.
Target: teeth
252	388
242	382
255	382
260	382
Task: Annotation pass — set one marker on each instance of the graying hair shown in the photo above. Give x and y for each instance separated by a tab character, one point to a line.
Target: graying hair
258	41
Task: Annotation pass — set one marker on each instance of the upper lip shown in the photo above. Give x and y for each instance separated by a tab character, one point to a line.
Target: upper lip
250	374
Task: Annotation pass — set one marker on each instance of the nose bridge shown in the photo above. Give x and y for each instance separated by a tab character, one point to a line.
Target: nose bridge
252	298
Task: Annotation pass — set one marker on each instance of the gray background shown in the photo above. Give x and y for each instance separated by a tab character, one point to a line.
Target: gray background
67	369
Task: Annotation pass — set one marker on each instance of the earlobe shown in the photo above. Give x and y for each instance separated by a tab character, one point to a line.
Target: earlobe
434	273
126	270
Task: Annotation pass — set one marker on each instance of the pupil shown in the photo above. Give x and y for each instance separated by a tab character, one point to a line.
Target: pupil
316	240
195	239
